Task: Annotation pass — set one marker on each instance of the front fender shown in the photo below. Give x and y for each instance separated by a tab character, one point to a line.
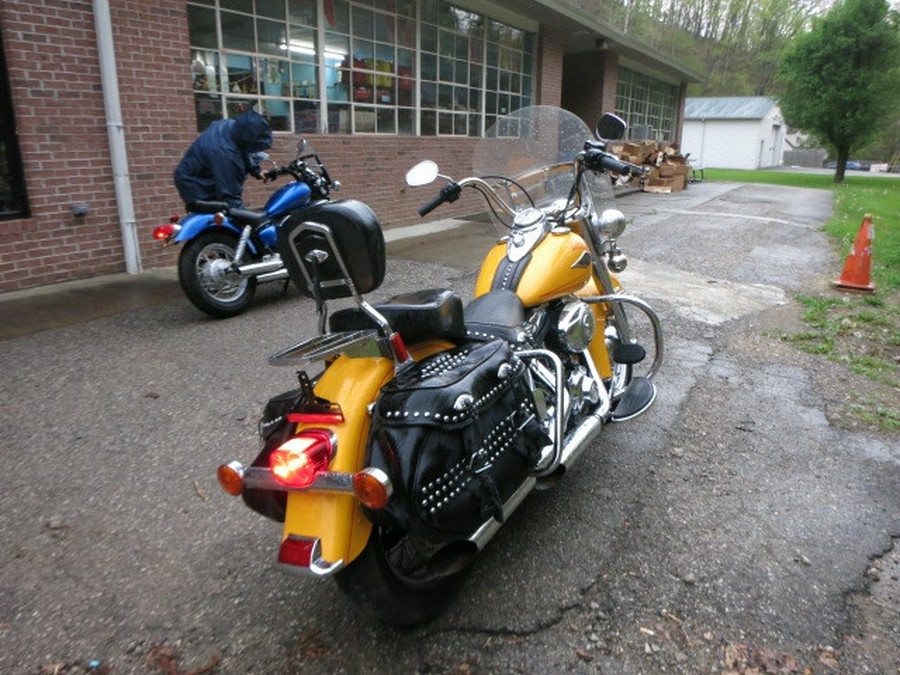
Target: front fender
197	223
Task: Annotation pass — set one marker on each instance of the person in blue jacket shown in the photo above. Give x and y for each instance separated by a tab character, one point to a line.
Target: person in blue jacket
216	165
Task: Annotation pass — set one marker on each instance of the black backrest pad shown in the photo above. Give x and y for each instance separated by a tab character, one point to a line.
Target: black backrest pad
417	316
357	235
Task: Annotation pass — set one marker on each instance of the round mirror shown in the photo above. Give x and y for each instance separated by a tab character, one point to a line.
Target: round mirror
610	127
422	173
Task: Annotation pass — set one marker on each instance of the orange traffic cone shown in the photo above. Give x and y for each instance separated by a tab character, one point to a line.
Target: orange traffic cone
857	272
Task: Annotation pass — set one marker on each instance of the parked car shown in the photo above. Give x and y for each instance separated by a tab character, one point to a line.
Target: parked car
851	164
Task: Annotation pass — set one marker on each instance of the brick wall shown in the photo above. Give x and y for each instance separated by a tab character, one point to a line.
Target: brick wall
55	84
550	67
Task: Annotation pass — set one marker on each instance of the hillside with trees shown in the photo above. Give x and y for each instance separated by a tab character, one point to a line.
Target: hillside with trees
739	45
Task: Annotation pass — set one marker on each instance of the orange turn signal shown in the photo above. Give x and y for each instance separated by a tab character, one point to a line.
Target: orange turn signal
231	478
372	488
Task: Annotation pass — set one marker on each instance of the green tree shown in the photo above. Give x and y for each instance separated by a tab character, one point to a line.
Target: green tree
840	79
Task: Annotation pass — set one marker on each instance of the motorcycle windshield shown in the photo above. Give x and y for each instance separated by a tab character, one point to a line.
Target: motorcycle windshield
536	148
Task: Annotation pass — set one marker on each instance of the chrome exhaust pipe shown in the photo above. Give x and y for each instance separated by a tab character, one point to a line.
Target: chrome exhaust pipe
277	275
578	441
261	268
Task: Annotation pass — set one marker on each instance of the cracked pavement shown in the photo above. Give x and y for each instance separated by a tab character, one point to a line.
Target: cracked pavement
732	522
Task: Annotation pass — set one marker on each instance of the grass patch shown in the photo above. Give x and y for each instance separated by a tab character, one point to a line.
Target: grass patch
861	331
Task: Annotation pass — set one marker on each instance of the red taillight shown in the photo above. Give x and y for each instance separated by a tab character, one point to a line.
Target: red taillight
298	462
316	418
296	551
165	232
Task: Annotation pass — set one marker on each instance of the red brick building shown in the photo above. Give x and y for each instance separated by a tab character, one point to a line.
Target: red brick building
100	98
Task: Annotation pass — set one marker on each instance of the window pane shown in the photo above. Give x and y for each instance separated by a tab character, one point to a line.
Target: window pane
406	92
406	31
278	113
303	45
302	12
429	95
339	18
209	109
238	106
384	55
202	27
364	120
241	74
273	77
339	119
273	9
237	32
429	10
385	121
429	67
429	38
303	81
306	117
271	37
205	70
238	5
384	27
363	23
406	121
429	123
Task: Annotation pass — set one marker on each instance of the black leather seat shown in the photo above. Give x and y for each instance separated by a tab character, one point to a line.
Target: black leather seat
498	314
417	316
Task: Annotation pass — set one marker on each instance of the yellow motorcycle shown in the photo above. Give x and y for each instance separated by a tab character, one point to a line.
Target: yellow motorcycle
430	422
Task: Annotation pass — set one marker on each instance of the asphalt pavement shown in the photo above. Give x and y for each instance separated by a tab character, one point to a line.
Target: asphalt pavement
733	526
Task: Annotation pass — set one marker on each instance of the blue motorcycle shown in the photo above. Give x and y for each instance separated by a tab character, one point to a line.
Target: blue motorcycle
228	251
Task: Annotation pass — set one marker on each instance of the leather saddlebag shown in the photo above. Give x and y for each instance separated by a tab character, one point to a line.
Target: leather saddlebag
457	434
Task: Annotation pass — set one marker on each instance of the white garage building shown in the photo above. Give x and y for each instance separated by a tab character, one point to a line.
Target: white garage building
736	132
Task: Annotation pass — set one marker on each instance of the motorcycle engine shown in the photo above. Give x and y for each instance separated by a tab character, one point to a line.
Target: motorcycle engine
574	326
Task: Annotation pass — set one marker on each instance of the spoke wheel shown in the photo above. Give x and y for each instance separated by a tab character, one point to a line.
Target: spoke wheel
206	276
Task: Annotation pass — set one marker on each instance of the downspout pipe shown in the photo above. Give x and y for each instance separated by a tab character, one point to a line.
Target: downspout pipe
116	133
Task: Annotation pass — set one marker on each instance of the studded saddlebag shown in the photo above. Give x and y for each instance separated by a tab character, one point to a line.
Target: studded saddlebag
457	434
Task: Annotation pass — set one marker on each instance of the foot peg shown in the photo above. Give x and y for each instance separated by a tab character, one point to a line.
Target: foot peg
638	396
629	354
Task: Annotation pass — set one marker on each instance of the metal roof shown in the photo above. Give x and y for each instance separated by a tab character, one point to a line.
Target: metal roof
728	107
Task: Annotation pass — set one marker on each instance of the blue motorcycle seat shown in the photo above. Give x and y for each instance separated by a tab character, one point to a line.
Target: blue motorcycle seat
417	316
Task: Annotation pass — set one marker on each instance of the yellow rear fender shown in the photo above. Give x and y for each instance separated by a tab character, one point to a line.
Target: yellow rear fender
335	520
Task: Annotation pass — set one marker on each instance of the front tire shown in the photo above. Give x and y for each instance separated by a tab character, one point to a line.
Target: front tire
391	579
204	270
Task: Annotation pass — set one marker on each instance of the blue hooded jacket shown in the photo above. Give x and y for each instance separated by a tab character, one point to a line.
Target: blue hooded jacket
217	163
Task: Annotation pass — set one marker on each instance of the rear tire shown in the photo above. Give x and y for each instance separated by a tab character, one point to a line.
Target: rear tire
206	278
390	578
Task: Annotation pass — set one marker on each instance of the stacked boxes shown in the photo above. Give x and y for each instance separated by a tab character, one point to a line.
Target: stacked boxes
668	168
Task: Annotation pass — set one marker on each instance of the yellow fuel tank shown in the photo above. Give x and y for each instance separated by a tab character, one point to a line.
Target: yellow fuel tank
559	265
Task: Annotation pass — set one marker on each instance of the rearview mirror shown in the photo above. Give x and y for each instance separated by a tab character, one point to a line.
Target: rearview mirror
611	127
422	173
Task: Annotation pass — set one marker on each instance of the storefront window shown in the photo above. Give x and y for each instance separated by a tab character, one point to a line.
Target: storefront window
648	105
368	66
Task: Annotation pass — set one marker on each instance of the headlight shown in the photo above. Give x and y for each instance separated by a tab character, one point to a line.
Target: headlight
611	223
